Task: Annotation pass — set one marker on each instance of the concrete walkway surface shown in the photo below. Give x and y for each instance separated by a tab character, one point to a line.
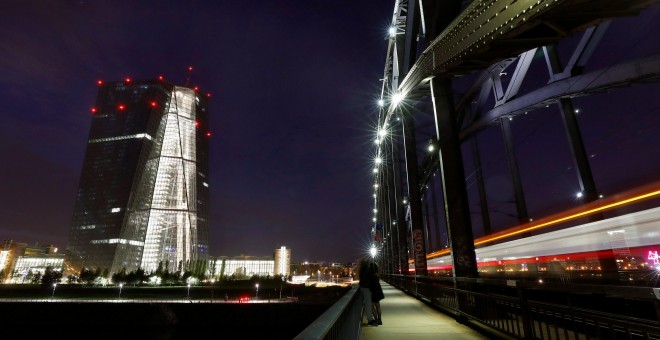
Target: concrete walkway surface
405	317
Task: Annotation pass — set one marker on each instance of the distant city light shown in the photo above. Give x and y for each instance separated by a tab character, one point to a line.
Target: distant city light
375	170
382	133
381	102
379	160
374	219
579	194
373	251
431	148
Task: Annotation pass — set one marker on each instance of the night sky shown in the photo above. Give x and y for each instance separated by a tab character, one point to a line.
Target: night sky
293	87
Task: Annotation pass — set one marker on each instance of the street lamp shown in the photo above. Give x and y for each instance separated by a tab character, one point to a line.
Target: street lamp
120	286
318	276
256	296
189	291
54	286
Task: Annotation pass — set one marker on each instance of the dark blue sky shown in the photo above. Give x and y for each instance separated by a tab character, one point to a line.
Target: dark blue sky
293	86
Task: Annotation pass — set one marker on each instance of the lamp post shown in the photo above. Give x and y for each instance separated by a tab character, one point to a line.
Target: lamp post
189	291
256	296
318	276
53	295
120	287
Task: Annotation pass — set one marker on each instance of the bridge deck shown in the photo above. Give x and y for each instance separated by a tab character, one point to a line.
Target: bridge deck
405	317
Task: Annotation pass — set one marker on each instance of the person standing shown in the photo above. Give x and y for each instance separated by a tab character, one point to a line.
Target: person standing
376	293
366	275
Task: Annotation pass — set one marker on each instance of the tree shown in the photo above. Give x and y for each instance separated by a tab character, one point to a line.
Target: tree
119	277
51	276
89	276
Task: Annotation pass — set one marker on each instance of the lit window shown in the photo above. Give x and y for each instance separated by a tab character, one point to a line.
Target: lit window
115	210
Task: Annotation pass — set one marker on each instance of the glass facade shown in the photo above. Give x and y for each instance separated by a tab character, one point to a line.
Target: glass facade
33	264
242	267
143	194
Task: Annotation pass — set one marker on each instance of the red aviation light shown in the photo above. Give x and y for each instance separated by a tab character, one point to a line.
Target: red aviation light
196	88
99	82
93	110
154	104
189	68
128	80
208	134
208	95
121	107
197	123
160	78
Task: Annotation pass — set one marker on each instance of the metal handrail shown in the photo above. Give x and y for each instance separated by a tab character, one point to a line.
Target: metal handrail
343	320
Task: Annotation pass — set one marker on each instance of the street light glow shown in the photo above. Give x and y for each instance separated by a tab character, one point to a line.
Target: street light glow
382	132
379	160
373	251
392	31
397	98
431	148
381	102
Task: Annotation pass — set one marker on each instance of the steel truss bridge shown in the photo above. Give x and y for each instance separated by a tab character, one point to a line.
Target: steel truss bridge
458	76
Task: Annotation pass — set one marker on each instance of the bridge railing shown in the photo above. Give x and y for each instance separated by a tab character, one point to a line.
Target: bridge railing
509	309
343	320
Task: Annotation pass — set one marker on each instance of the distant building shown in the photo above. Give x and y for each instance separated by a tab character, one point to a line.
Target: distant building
19	260
282	261
143	195
245	266
241	266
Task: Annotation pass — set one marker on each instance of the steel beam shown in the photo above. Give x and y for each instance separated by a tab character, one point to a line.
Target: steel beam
419	250
457	210
636	71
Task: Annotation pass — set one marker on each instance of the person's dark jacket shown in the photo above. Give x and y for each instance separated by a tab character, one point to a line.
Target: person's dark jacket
366	274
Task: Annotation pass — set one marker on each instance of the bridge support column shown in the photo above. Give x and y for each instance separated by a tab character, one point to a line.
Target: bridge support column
519	194
414	198
457	209
400	222
483	202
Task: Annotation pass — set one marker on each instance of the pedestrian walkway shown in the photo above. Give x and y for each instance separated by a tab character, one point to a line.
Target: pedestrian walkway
405	317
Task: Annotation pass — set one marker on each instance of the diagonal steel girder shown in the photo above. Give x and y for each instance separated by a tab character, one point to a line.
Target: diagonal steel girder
636	71
491	30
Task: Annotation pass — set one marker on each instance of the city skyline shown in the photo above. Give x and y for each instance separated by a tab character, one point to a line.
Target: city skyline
293	88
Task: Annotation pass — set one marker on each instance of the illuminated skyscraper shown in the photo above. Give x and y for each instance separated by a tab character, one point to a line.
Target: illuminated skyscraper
143	194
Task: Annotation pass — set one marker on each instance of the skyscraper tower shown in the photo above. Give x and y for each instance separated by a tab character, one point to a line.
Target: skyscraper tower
143	195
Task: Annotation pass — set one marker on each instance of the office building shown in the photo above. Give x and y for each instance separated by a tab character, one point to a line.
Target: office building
18	261
143	193
282	258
